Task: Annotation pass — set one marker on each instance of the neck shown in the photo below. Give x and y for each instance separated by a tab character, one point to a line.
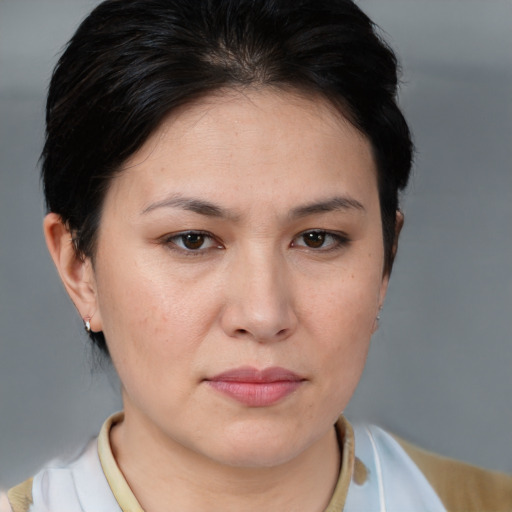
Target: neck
165	475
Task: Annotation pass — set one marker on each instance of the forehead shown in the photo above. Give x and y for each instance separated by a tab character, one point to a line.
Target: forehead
272	143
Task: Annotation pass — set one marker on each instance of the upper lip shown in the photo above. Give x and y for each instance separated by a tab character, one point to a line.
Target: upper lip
253	375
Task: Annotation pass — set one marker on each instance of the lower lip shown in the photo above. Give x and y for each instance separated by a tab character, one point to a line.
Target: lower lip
256	394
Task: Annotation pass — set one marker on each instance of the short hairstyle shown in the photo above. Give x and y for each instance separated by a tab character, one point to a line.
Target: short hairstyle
132	62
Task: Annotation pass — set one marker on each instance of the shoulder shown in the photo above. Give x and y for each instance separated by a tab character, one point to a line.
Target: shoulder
20	497
75	485
462	487
400	476
392	480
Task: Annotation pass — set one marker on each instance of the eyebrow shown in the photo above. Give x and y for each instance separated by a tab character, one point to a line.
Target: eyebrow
193	205
209	209
329	205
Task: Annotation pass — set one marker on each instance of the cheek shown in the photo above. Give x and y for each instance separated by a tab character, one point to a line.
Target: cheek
345	308
341	322
152	318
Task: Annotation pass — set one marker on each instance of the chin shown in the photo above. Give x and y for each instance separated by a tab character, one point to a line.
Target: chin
261	447
257	456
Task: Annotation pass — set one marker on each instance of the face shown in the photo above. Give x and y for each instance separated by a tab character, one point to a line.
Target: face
238	274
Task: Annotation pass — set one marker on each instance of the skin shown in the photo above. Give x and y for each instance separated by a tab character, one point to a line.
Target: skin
251	290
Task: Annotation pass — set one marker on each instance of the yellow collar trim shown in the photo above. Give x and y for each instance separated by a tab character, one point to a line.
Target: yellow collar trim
118	484
346	440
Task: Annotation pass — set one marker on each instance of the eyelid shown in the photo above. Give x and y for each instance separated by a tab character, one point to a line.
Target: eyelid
340	240
168	240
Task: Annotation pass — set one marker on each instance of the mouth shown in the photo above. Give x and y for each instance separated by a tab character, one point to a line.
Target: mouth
256	388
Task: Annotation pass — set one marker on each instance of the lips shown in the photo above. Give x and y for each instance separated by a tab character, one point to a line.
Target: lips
256	388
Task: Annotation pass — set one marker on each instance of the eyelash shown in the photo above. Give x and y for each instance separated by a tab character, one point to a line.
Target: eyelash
171	242
339	240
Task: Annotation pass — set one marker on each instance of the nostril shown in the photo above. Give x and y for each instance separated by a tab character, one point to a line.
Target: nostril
244	332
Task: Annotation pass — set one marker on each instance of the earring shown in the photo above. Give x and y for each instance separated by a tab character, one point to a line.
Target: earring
87	324
377	318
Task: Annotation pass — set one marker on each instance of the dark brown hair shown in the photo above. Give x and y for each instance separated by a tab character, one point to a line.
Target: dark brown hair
131	62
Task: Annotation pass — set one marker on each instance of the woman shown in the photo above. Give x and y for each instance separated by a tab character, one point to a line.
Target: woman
222	182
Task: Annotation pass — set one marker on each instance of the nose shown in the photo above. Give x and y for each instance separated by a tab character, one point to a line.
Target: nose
260	300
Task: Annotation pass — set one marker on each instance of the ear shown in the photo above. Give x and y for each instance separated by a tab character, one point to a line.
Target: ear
76	272
399	224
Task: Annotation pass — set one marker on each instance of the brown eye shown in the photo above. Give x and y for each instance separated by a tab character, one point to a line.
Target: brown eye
193	241
314	239
322	241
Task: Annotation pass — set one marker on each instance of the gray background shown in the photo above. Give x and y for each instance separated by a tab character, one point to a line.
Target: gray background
439	369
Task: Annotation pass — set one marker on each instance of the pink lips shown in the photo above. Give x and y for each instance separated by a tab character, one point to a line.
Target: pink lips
256	388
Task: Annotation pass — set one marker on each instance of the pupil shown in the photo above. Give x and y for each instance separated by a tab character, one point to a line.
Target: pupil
315	239
193	240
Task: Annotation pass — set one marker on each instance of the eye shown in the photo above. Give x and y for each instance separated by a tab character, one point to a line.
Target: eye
318	239
193	241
